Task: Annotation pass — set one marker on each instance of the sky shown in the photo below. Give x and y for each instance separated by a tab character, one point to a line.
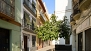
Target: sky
50	4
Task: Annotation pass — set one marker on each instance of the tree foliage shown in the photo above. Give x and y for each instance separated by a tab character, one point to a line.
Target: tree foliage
53	29
49	30
65	29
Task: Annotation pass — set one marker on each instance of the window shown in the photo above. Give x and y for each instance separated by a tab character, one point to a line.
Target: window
26	18
4	39
33	41
8	7
29	21
33	23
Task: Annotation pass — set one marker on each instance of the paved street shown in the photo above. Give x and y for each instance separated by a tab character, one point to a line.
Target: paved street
46	48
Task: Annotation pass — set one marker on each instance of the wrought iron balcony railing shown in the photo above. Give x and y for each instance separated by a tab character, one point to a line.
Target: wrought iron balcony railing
29	24
7	8
31	6
33	24
34	2
80	1
76	10
73	14
76	6
42	15
72	22
28	3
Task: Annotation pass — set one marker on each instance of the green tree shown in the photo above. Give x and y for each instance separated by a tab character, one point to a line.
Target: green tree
65	30
49	30
53	29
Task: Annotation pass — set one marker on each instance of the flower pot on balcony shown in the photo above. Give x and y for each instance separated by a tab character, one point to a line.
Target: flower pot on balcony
77	16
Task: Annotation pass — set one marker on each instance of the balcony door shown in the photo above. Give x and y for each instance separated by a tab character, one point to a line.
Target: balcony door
4	39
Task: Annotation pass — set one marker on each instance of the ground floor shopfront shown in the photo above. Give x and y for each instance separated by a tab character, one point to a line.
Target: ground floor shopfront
9	36
28	41
82	41
81	34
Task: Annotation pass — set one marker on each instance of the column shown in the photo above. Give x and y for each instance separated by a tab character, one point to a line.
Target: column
83	41
76	42
30	40
73	41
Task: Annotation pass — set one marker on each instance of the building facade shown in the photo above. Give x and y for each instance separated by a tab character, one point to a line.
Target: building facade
28	36
18	19
81	25
10	25
42	17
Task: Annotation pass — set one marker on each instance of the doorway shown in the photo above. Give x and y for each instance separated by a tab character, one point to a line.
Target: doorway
4	40
88	40
25	43
80	42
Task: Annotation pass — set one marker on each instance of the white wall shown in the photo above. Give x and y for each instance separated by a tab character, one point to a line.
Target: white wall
63	8
60	6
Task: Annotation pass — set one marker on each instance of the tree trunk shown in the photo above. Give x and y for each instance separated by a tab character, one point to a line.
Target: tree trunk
67	41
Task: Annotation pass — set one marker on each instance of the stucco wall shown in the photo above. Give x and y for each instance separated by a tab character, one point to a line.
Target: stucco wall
18	6
15	40
15	31
14	35
82	25
84	22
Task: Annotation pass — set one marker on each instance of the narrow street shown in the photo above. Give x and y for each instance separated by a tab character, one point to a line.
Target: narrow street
45	25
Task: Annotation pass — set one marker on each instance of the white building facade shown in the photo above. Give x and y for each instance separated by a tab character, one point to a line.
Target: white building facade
62	8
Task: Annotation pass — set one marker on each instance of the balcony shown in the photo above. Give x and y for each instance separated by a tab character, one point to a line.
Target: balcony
76	12
34	2
7	9
31	6
33	24
76	16
28	24
84	4
72	21
41	3
42	16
